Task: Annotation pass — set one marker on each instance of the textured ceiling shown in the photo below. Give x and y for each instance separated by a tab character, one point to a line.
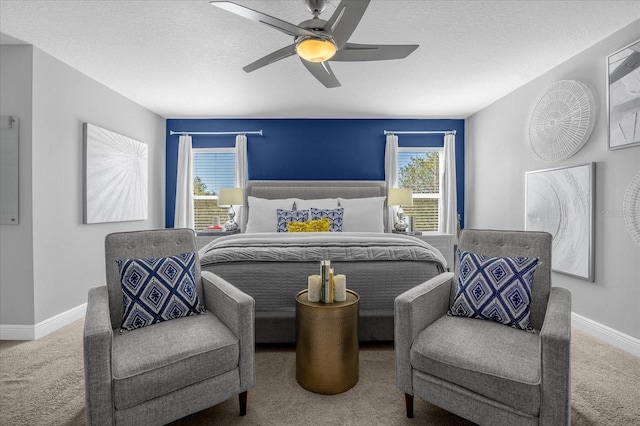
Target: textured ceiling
185	58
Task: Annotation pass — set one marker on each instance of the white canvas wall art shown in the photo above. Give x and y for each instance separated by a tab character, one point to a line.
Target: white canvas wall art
623	100
115	177
560	201
631	208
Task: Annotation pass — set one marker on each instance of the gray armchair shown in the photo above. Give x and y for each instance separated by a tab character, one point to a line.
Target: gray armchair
482	370
162	372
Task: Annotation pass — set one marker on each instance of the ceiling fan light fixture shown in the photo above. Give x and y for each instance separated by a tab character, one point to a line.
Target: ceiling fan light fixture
315	49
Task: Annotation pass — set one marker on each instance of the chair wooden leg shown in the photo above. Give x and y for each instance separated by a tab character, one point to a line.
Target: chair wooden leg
243	403
408	402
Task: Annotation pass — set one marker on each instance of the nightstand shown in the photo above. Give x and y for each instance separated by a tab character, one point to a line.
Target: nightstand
205	237
444	243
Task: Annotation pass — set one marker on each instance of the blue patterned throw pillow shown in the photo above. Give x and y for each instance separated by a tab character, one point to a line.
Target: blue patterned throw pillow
156	290
334	215
286	216
494	288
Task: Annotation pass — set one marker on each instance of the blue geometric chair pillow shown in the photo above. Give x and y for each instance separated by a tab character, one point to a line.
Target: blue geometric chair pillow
156	290
334	215
286	216
494	288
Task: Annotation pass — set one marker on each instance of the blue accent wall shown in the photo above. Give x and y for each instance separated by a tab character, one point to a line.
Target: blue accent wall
311	149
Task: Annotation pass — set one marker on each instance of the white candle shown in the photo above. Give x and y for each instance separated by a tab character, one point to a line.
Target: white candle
216	221
314	287
340	282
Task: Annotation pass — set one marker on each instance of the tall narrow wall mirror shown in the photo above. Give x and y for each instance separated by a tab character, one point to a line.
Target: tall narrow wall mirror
9	149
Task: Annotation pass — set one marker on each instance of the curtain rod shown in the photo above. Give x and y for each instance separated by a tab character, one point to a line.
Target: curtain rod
418	132
250	132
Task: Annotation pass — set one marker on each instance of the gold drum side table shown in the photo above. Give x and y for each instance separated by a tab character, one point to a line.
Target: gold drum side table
327	347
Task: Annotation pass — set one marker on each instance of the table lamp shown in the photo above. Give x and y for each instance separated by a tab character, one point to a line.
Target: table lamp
400	197
230	197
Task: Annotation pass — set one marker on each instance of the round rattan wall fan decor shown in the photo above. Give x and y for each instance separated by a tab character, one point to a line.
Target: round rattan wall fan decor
560	120
631	208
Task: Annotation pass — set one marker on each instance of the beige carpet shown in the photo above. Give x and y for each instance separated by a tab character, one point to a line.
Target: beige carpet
42	383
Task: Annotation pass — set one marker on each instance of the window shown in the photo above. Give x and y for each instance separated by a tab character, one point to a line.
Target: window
213	168
419	169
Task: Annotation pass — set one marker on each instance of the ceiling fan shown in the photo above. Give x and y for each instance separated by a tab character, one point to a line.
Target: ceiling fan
317	41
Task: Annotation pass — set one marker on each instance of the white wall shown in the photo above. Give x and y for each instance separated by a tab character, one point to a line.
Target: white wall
497	160
68	256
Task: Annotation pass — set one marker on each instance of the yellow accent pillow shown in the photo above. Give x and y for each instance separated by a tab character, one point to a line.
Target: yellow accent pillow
320	225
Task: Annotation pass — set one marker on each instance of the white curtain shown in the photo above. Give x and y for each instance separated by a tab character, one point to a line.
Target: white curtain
241	171
183	217
448	217
391	174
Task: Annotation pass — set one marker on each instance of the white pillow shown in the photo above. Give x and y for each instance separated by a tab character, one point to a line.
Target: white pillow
363	214
321	203
263	215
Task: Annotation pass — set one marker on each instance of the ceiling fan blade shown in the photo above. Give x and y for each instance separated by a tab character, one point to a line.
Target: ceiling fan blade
254	15
285	52
345	19
322	71
373	52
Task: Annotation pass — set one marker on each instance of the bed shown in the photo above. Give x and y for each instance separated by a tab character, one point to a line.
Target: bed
274	266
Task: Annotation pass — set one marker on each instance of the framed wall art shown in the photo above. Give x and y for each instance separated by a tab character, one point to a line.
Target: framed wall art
560	201
115	176
623	97
631	208
560	120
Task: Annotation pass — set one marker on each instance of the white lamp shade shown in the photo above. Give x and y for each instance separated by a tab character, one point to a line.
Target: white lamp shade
230	197
400	197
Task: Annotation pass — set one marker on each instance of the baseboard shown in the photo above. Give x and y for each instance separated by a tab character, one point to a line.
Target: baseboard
17	332
28	332
43	328
607	334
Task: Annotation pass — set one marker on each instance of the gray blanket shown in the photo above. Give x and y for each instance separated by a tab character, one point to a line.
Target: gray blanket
315	246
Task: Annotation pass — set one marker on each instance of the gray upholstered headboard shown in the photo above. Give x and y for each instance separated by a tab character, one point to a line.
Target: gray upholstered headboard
311	189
